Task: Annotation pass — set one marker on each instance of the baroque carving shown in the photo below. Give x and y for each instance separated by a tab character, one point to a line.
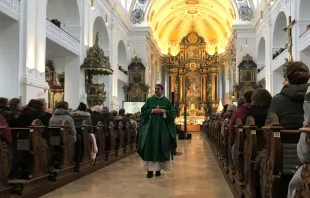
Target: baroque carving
136	90
96	63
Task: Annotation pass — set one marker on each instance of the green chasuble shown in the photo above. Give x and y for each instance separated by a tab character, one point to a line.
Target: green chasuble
158	135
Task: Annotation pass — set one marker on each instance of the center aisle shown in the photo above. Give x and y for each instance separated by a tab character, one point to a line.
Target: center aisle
195	175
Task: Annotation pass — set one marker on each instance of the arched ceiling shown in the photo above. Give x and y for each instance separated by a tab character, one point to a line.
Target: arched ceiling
171	20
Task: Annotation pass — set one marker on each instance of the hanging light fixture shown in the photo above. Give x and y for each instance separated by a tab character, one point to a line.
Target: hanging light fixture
128	44
92	6
106	20
271	2
261	16
241	50
246	42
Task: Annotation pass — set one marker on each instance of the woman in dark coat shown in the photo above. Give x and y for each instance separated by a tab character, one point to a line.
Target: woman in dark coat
260	104
288	104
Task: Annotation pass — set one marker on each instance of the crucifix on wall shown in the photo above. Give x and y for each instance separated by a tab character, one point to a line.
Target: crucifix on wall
289	39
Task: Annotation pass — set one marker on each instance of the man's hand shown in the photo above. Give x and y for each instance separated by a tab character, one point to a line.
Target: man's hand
158	111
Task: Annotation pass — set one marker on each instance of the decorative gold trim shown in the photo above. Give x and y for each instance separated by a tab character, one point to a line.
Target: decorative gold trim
247	58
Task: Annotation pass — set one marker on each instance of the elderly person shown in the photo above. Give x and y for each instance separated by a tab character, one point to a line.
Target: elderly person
95	115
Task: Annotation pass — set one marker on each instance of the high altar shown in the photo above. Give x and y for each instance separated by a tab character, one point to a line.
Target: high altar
193	78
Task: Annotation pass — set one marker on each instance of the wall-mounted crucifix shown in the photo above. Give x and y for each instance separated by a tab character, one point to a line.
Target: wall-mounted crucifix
289	39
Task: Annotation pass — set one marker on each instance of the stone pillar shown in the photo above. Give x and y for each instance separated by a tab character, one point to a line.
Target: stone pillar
32	49
72	80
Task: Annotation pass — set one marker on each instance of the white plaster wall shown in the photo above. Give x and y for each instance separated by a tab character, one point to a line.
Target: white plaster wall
72	80
9	60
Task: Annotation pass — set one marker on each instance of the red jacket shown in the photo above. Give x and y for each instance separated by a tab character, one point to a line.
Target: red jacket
7	136
239	113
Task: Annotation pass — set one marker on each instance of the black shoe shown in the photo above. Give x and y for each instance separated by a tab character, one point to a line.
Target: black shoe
158	174
149	174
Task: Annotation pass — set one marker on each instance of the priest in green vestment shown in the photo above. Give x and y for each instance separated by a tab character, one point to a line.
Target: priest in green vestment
158	135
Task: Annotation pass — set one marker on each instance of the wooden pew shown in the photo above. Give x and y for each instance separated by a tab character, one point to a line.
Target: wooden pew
118	129
280	159
128	138
303	186
100	140
113	142
133	142
5	166
238	155
61	145
254	143
31	149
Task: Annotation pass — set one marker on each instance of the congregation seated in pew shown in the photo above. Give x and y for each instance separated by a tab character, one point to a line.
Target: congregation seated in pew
38	150
265	146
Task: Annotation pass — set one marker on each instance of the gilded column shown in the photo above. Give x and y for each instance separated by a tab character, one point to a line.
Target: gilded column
205	87
181	89
213	86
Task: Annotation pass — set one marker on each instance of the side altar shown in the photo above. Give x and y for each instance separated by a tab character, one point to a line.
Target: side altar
193	80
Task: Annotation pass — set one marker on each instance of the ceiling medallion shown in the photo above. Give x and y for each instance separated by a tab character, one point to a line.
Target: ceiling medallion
191	1
192	11
192	38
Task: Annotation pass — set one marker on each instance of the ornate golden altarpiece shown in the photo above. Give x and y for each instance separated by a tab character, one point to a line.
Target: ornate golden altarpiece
193	78
56	83
96	63
136	90
247	77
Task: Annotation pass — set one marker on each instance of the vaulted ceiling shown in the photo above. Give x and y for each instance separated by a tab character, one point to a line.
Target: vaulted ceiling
171	20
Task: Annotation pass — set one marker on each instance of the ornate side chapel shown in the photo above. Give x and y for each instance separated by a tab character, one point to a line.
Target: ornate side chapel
95	64
136	90
247	77
193	78
56	83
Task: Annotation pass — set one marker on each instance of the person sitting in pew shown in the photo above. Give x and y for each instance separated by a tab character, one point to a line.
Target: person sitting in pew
45	118
230	110
7	135
80	115
303	148
6	111
16	107
260	104
240	113
95	115
288	104
61	114
33	110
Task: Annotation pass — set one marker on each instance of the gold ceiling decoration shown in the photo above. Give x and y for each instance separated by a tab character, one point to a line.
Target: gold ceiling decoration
171	20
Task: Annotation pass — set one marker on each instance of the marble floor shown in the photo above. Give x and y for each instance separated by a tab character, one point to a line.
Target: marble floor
195	174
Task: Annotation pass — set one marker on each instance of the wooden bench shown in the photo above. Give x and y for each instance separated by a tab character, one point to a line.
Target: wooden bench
99	132
254	144
5	166
280	159
61	145
30	150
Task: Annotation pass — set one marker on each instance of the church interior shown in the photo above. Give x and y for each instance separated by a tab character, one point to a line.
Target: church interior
235	71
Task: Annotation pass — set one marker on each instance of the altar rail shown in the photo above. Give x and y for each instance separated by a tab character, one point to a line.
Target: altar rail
10	8
62	37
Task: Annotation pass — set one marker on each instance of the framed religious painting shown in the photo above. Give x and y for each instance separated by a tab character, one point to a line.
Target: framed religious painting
246	75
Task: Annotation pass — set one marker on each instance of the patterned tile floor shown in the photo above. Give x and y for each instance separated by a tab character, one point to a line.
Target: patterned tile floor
195	174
